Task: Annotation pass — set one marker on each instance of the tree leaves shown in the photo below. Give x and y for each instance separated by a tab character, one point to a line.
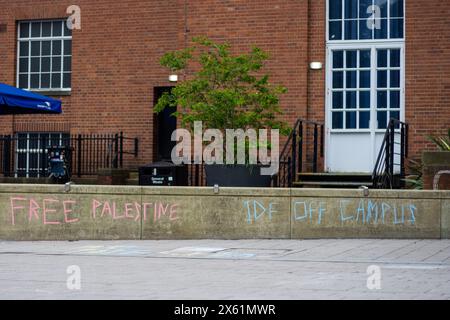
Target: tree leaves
226	92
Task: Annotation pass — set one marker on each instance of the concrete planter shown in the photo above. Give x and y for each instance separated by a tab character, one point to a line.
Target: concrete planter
236	176
436	170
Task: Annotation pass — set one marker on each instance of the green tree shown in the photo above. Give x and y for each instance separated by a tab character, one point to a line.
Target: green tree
227	92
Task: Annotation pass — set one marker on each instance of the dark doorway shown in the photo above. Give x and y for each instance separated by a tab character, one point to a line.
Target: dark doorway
165	125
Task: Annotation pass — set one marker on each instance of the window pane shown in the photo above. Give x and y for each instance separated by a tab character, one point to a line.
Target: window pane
395	100
45	80
382	79
381	29
397	8
45	49
68	47
351	59
55	139
34	81
338	100
365	33
36	29
351	79
351	9
23	81
336	30
45	65
67	31
351	29
382	58
46	29
335	9
382	99
364	59
364	99
35	64
363	8
350	118
57	28
56	80
67	81
351	100
395	58
56	64
24	30
338	59
23	65
395	115
364	120
338	80
383	5
24	49
364	79
395	79
56	47
67	64
338	120
396	28
382	119
35	48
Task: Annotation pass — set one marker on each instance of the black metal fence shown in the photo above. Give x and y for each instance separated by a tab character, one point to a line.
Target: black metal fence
196	175
302	152
390	169
25	154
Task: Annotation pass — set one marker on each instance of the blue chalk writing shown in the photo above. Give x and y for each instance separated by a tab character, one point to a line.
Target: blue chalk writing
343	208
256	210
308	210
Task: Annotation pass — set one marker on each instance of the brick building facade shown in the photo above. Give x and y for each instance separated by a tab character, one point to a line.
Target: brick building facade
115	60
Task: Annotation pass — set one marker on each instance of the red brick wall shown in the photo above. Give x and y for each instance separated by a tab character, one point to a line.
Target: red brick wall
115	64
279	27
427	71
115	58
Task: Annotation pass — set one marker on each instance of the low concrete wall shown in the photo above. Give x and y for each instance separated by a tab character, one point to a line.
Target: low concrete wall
38	212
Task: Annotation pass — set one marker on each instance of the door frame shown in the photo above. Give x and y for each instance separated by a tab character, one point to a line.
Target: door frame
373	131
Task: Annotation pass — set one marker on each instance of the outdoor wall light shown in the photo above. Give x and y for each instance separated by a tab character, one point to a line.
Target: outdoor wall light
316	65
173	78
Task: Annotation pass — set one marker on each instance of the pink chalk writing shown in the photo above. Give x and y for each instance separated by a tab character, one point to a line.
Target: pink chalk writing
68	210
134	211
53	212
46	211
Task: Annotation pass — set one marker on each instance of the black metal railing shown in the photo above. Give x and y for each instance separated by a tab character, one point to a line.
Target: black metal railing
390	168
302	152
25	155
196	175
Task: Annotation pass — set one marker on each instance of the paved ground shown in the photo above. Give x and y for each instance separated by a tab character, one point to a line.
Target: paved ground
322	269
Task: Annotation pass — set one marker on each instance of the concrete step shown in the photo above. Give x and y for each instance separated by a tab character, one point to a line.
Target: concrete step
134	175
350	177
331	184
333	180
132	182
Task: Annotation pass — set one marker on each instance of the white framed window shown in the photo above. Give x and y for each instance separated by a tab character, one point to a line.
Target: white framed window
365	64
44	55
30	149
350	89
366	20
365	84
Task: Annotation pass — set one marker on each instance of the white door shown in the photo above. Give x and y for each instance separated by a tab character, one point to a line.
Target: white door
365	88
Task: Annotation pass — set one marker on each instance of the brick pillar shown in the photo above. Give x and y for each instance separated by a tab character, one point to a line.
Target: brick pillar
433	164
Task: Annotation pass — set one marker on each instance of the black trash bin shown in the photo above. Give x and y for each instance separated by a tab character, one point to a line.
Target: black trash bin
60	164
163	174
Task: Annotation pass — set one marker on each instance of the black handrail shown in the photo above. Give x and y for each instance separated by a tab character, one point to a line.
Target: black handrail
293	154
389	174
